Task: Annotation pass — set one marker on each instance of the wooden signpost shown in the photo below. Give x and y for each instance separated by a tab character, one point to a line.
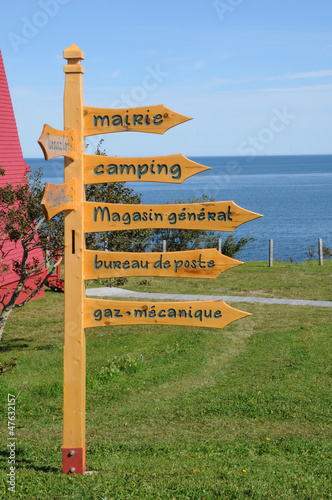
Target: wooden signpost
82	217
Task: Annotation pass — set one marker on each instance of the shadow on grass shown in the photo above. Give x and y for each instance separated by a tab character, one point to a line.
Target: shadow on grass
13	344
25	463
46	347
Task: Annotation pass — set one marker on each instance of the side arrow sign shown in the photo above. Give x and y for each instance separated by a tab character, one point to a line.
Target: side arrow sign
154	119
209	313
58	197
211	216
207	263
172	168
56	143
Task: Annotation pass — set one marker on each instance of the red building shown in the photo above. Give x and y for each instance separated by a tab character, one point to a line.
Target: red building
11	160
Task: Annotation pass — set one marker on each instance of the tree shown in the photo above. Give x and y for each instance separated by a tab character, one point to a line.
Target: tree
189	239
20	220
50	233
126	241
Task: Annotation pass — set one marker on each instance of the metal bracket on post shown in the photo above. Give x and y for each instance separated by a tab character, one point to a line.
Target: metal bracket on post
72	460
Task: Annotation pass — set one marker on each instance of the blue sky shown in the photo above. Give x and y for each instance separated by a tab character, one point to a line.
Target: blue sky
256	75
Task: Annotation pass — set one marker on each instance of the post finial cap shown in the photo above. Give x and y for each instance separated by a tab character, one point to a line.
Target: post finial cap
73	52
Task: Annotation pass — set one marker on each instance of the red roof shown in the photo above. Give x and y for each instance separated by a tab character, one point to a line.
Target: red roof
11	160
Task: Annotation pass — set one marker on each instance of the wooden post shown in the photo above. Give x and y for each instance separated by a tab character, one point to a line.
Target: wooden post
164	245
74	449
270	253
219	245
320	251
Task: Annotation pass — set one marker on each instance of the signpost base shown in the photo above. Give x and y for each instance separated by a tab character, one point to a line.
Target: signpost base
72	460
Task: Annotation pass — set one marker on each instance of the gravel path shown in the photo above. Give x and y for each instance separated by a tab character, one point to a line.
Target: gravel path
120	292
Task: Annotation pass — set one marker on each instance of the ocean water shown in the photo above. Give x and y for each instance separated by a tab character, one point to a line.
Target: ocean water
294	193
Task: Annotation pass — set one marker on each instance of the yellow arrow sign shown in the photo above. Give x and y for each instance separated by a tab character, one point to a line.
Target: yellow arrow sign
56	143
58	197
207	263
213	216
154	119
172	168
209	313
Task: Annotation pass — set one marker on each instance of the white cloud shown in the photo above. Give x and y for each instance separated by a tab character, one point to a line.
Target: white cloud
214	82
199	65
327	86
310	74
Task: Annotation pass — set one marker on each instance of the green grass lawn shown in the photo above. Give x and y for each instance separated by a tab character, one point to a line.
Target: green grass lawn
180	412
